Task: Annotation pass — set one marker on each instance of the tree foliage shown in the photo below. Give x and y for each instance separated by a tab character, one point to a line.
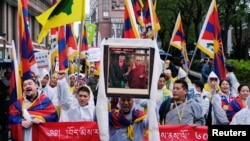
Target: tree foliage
232	13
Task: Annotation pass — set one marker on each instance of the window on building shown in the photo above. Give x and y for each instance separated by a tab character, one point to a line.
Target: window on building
105	6
113	5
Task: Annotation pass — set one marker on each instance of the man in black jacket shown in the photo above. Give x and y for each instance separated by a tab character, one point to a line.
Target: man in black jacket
4	104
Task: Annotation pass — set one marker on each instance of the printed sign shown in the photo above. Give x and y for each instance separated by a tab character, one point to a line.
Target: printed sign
182	133
93	54
66	131
42	60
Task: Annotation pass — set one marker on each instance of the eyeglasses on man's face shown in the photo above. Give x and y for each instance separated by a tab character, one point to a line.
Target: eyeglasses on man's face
213	79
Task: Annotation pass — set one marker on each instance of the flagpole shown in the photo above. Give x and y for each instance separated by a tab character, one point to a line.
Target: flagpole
195	50
80	44
179	14
168	49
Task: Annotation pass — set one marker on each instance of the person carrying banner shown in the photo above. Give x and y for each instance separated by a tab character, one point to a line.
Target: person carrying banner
180	109
32	108
127	123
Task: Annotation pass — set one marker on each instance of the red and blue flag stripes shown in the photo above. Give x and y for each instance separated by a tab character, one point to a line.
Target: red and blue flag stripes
137	6
27	57
130	27
71	42
210	40
41	108
13	87
213	32
63	50
84	46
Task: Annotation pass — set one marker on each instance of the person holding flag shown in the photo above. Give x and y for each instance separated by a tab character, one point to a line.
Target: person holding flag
32	108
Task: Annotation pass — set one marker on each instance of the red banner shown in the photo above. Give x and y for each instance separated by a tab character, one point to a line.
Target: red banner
66	131
182	133
79	131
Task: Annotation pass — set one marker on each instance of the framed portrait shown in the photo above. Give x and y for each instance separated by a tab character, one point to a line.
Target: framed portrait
128	67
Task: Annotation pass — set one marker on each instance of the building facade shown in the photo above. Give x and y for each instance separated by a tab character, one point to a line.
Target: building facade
9	24
108	15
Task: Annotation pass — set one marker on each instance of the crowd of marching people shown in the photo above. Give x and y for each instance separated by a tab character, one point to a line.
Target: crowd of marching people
59	97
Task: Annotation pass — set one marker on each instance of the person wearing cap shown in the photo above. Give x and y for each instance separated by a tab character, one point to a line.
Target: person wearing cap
127	123
118	71
32	108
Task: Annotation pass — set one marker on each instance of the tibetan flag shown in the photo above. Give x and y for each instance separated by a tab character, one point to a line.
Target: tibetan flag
150	19
54	45
137	6
71	42
84	46
130	25
63	50
15	93
178	37
41	108
15	81
185	60
27	57
62	13
210	40
53	49
178	40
